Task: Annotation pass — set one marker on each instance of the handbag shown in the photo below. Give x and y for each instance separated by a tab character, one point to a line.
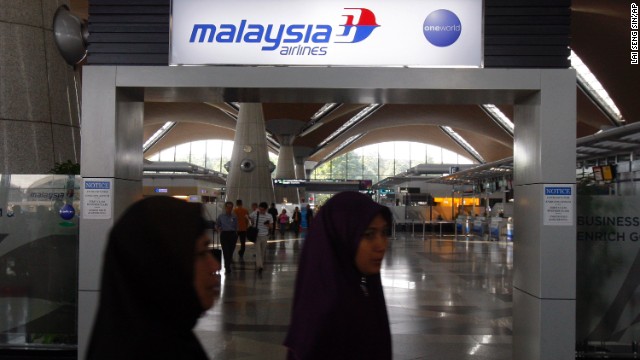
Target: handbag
252	231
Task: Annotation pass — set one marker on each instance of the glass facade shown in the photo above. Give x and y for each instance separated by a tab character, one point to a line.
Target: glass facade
378	161
39	235
210	154
372	162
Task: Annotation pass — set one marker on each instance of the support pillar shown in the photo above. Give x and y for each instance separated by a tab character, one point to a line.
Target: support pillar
544	283
111	151
286	170
300	154
249	177
285	130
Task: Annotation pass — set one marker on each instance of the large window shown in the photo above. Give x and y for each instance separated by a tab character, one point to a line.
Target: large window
374	162
210	154
382	160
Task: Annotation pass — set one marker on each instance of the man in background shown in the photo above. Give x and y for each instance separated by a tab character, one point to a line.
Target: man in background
227	226
243	222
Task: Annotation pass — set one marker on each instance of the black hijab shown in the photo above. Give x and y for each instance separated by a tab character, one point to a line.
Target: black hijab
148	303
333	316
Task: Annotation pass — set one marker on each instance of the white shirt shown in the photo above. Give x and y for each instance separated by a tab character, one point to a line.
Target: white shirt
263	230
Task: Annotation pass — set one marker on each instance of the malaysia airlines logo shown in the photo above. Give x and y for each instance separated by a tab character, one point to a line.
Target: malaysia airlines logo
290	39
365	26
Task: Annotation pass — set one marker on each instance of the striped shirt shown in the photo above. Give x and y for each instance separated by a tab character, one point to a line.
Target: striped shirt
263	230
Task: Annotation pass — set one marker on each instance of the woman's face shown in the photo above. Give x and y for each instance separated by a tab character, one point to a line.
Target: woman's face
206	280
372	247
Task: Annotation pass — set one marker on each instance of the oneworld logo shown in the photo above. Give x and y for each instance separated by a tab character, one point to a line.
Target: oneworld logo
442	28
290	39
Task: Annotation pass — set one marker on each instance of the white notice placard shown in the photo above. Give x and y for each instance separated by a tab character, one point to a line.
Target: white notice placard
422	33
97	198
559	202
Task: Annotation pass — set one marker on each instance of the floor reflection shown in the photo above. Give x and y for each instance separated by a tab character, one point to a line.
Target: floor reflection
447	299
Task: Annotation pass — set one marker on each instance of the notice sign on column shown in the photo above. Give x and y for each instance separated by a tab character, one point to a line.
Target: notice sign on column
559	204
97	198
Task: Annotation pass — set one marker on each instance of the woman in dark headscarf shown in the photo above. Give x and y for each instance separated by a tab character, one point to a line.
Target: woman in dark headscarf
339	310
157	279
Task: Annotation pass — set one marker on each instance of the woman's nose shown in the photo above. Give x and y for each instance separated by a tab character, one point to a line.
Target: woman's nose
381	241
214	265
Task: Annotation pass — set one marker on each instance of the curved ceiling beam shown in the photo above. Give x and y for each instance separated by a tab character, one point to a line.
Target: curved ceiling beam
462	117
428	134
159	113
185	132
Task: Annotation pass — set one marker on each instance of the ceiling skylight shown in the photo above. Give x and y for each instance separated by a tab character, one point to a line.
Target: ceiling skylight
499	117
344	144
158	135
463	143
594	89
363	114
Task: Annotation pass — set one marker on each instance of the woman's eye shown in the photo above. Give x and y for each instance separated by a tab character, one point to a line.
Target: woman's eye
369	234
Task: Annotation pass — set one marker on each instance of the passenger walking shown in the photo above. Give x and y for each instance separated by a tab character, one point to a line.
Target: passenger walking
158	277
283	221
309	215
274	214
339	310
243	222
295	221
264	222
227	226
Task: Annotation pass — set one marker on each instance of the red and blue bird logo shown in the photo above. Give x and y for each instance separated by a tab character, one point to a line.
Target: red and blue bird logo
362	29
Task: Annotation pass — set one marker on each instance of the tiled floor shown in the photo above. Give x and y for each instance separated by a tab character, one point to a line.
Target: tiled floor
447	299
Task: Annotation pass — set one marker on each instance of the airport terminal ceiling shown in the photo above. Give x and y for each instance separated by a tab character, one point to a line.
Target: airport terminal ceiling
599	36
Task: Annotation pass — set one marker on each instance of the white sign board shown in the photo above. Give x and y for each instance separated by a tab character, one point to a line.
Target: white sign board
97	198
559	202
429	33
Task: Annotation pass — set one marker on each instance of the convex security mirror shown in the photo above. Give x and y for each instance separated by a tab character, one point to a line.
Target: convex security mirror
70	35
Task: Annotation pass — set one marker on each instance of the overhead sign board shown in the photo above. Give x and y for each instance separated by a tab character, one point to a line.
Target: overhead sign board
429	33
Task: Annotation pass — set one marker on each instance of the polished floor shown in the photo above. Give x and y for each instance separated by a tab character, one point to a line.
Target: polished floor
447	299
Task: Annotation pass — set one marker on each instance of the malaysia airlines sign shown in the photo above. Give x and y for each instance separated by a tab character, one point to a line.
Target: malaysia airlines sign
431	33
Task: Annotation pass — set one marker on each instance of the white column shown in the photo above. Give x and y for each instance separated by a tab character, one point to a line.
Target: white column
544	293
286	170
111	150
249	178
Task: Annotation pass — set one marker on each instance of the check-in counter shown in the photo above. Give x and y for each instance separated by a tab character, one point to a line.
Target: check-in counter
500	228
494	226
462	226
479	226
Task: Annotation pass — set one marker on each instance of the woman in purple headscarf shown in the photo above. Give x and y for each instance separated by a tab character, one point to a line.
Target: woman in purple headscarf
339	310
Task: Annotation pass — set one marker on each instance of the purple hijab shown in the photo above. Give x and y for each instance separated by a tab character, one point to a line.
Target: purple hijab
333	316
